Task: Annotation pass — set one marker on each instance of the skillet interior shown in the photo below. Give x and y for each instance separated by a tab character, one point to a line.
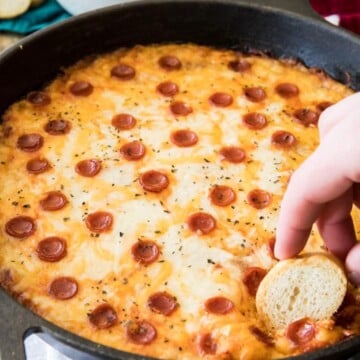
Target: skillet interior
242	25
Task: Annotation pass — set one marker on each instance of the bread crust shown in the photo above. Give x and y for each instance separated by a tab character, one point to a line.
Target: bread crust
312	285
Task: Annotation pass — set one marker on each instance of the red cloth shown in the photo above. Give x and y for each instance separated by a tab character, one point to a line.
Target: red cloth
348	11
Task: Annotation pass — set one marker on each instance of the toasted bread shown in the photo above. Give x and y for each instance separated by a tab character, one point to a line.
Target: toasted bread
10	9
310	286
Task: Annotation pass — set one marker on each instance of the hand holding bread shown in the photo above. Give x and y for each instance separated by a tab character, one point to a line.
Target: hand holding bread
324	190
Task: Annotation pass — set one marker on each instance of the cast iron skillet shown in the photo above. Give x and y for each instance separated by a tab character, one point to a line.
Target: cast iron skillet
282	28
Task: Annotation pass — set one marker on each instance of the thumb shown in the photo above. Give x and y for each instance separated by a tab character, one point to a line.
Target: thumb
352	264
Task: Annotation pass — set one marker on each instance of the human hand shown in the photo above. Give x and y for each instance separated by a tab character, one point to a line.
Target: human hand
324	189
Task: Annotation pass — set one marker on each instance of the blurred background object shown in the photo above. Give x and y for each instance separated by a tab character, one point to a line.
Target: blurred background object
76	7
13	8
345	13
8	39
9	9
45	13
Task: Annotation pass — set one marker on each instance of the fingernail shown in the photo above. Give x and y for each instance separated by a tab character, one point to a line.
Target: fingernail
354	277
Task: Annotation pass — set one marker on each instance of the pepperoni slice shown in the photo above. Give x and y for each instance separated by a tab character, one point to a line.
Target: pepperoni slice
184	138
239	65
287	90
255	121
88	168
207	345
123	121
30	142
219	305
169	63
58	127
140	332
283	139
99	222
20	227
145	251
134	150
222	195
54	200
163	303
51	249
180	108
154	181
201	222
255	94
221	99
103	316
252	279
63	288
123	72
301	331
37	166
262	336
306	117
168	88
232	154
324	105
259	199
38	98
81	88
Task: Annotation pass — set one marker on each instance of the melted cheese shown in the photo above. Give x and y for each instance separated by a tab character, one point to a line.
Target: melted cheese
192	267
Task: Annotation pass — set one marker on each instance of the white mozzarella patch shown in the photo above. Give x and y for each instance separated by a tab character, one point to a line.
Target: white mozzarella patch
268	177
192	278
116	98
140	214
96	261
120	175
235	240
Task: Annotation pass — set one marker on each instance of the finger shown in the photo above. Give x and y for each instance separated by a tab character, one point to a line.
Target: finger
316	183
295	223
336	226
352	264
312	186
335	114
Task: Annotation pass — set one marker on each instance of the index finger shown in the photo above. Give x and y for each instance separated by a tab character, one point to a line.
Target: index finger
312	186
326	175
335	113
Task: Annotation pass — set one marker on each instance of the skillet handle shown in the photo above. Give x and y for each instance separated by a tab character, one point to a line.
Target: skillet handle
16	324
300	7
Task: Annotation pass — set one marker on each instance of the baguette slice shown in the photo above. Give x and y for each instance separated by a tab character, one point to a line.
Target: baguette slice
310	286
13	8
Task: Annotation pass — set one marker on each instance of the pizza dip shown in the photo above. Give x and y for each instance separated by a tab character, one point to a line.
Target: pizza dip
140	193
